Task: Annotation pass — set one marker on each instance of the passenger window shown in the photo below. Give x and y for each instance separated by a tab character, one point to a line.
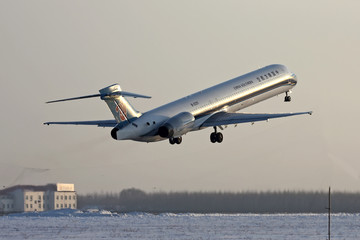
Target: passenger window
269	74
262	78
273	74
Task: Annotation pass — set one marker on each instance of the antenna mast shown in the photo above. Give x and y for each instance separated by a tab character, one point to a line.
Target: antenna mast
329	216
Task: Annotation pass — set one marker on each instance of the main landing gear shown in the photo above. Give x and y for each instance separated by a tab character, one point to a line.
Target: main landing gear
287	97
216	136
176	140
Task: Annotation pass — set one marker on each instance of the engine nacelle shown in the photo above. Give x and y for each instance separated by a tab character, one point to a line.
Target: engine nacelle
114	133
177	125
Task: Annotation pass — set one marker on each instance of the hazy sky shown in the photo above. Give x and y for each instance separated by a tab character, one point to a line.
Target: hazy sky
168	49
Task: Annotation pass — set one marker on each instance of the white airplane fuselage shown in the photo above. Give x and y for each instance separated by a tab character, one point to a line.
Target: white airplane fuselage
230	96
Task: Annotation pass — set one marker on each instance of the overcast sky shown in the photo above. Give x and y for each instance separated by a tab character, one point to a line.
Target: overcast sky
168	49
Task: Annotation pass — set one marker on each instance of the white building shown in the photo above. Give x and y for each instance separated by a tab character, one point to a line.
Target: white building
28	198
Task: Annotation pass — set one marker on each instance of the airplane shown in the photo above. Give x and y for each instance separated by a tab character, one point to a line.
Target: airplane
214	107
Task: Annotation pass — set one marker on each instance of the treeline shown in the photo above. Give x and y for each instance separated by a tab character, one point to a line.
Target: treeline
135	200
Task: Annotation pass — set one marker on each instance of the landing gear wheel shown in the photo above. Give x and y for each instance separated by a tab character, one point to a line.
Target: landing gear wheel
216	137
287	97
213	137
178	140
219	137
171	141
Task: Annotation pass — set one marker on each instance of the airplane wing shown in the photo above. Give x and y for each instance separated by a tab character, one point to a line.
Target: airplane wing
223	118
99	123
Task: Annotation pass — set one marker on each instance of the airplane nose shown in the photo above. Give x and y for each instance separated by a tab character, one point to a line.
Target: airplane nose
293	80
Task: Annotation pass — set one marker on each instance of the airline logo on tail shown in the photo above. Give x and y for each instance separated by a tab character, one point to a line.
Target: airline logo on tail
121	110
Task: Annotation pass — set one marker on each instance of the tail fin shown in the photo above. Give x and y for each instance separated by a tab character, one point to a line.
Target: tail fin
114	97
119	106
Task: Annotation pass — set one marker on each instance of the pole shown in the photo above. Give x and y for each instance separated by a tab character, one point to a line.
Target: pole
329	217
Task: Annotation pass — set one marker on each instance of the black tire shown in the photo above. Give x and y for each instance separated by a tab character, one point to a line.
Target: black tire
213	137
171	141
219	137
178	140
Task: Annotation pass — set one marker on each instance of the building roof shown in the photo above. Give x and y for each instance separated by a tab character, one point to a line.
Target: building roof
48	187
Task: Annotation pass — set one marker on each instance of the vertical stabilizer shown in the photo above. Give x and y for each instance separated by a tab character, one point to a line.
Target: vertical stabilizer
119	106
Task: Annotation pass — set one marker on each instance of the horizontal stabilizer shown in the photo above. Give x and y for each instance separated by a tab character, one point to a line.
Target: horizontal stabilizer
120	93
99	123
223	118
74	98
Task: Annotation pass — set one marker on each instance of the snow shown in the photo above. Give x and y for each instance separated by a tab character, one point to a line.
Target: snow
101	224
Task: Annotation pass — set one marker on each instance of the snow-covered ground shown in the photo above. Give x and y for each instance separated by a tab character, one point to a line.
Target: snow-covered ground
75	224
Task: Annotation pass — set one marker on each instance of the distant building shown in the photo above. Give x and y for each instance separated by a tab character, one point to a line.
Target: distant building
29	198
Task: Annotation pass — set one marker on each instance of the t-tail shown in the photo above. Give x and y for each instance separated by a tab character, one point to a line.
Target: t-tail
115	99
118	104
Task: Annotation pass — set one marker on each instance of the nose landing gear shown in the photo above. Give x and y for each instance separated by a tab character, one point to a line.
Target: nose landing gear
216	136
287	97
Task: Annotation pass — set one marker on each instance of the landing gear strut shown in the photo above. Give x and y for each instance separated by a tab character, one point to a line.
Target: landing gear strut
287	97
176	140
216	136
